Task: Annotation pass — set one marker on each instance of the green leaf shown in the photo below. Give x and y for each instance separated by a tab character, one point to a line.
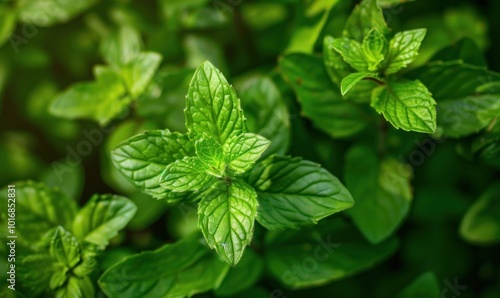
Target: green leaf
242	276
46	13
212	106
352	79
143	158
468	115
121	46
318	98
293	192
8	17
365	17
36	271
210	152
100	100
89	262
101	218
480	224
327	252
266	112
403	49
374	49
335	65
187	174
243	151
181	269
350	50
38	209
426	285
64	247
139	72
226	216
382	192
407	105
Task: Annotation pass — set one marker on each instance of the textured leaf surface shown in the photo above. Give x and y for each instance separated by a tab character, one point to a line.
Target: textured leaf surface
407	105
351	53
293	192
382	193
209	151
143	158
187	174
65	248
181	269
102	217
374	49
244	150
352	79
403	49
212	106
226	216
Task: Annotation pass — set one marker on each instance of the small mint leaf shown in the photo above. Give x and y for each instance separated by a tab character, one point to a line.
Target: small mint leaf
374	49
351	53
403	49
354	78
187	174
243	151
210	152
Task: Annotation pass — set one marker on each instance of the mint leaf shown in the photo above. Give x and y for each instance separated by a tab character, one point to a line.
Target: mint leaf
210	152
45	13
121	46
407	105
243	151
64	247
480	224
320	100
38	209
184	268
212	106
352	79
139	72
374	49
143	158
350	50
101	218
293	192
338	249
335	65
365	17
468	115
379	190
425	285
187	174
243	276
403	49
226	216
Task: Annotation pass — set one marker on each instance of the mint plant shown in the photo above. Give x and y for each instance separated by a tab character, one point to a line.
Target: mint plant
215	162
57	243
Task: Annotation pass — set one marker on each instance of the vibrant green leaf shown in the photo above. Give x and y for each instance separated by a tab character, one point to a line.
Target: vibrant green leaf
187	174
374	49
181	269
403	49
38	209
226	216
243	151
50	12
319	100
293	192
143	158
139	72
480	224
426	285
351	53
64	247
382	193
335	65
242	276
407	105
328	252
212	106
102	217
365	17
210	152
352	79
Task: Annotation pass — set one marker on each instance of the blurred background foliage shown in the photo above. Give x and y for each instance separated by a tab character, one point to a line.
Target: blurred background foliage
42	56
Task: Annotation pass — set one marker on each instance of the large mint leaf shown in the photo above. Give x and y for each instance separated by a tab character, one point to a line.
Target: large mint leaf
337	249
184	268
468	115
407	105
382	192
50	12
143	158
480	224
212	106
226	216
243	151
320	101
38	209
350	50
64	247
293	192
187	174
102	217
403	49
365	17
